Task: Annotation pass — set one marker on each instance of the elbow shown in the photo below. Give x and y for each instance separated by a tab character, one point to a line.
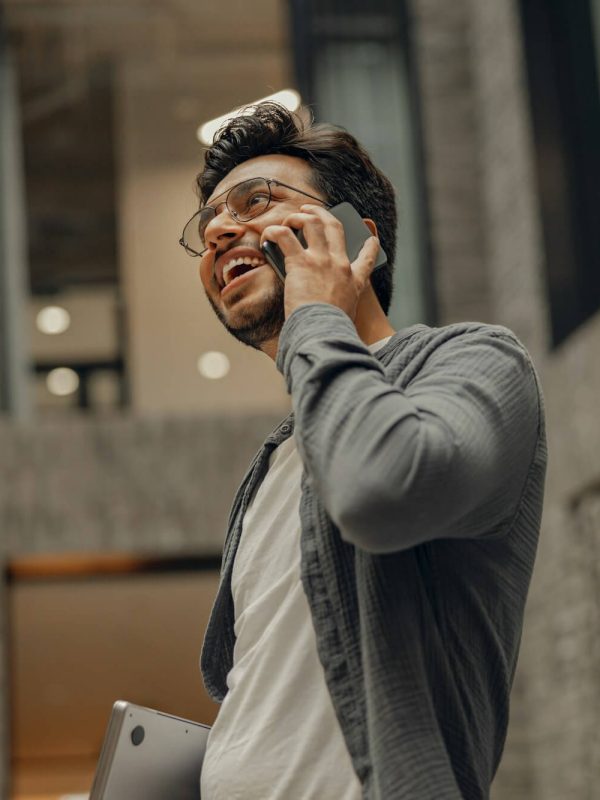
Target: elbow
394	504
378	523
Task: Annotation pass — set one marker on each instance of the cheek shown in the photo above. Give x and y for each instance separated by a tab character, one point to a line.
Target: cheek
205	271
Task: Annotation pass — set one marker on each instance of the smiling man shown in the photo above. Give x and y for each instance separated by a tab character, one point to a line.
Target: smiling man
365	633
240	284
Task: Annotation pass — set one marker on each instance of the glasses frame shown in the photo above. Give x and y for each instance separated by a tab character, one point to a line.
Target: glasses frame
269	181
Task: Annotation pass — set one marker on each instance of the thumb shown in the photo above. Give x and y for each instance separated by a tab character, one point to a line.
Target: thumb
365	260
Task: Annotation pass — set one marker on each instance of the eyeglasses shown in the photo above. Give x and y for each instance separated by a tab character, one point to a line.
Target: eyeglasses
244	201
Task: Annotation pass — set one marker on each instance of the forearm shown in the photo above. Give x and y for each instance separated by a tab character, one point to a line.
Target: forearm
398	464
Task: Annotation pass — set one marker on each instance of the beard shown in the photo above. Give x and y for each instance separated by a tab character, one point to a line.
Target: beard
260	324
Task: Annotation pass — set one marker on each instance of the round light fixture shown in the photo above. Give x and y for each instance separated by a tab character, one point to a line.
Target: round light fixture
53	320
213	365
62	381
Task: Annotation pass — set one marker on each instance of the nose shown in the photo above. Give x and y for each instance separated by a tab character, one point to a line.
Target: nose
222	228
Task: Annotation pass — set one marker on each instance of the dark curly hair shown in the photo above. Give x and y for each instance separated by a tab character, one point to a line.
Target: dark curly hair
342	169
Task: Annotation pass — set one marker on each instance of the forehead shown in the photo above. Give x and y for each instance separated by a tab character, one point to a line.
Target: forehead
288	169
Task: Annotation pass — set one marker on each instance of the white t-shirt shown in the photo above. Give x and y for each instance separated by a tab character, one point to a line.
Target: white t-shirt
276	736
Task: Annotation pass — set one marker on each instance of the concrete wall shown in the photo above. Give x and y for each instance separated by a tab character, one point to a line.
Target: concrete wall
123	484
560	661
452	159
489	258
155	486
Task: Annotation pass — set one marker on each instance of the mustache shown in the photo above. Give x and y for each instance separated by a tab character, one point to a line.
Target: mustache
246	241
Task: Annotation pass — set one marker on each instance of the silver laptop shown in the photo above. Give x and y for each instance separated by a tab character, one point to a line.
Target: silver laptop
148	755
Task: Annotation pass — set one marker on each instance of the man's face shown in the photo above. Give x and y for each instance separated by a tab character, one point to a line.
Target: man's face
249	300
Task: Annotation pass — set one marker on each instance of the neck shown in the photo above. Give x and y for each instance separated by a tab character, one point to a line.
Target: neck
371	323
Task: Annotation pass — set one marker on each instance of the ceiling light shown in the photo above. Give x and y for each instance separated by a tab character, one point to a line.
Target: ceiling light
213	365
62	381
286	97
53	320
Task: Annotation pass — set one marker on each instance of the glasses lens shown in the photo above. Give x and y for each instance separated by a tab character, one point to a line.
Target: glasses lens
249	199
244	202
193	233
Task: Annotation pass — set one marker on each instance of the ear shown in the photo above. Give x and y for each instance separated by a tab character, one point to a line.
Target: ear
371	226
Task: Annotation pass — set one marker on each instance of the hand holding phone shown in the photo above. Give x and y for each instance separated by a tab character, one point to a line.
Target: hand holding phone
356	233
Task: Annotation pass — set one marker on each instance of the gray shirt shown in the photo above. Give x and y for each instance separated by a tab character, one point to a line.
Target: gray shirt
421	501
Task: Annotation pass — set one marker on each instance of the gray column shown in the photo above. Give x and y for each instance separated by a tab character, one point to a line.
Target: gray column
14	378
14	352
380	114
452	150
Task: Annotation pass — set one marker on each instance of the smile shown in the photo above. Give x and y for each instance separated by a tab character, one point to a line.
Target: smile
239	266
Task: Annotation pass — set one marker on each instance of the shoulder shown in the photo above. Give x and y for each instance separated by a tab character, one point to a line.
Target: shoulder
420	337
464	346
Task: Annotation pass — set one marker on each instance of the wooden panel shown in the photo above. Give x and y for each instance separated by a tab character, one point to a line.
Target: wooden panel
77	645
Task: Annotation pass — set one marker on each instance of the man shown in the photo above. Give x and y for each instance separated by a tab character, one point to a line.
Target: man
364	637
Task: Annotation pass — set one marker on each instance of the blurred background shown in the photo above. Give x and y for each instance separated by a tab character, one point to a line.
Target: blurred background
128	415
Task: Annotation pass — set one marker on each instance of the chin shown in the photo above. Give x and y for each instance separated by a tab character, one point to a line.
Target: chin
254	323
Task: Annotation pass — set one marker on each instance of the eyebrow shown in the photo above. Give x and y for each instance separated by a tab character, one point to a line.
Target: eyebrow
210	201
237	183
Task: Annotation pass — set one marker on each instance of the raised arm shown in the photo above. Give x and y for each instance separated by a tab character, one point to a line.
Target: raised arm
399	462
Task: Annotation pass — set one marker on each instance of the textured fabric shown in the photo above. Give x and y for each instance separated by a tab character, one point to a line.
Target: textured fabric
276	735
422	492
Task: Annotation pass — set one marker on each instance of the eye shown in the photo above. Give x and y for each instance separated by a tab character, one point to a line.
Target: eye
257	199
254	204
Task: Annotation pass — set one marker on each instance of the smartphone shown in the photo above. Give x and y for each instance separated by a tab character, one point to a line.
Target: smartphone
355	231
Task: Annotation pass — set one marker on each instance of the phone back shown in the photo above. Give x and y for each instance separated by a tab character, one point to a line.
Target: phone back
148	755
356	233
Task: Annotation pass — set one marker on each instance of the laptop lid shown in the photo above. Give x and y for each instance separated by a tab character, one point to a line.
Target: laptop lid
149	755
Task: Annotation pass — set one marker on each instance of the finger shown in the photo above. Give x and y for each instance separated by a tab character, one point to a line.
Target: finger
363	265
333	228
284	238
311	227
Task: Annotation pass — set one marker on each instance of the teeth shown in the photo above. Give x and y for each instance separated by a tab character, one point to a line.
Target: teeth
236	262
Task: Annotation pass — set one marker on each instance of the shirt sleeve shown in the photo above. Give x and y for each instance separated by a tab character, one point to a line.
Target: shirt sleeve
397	463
